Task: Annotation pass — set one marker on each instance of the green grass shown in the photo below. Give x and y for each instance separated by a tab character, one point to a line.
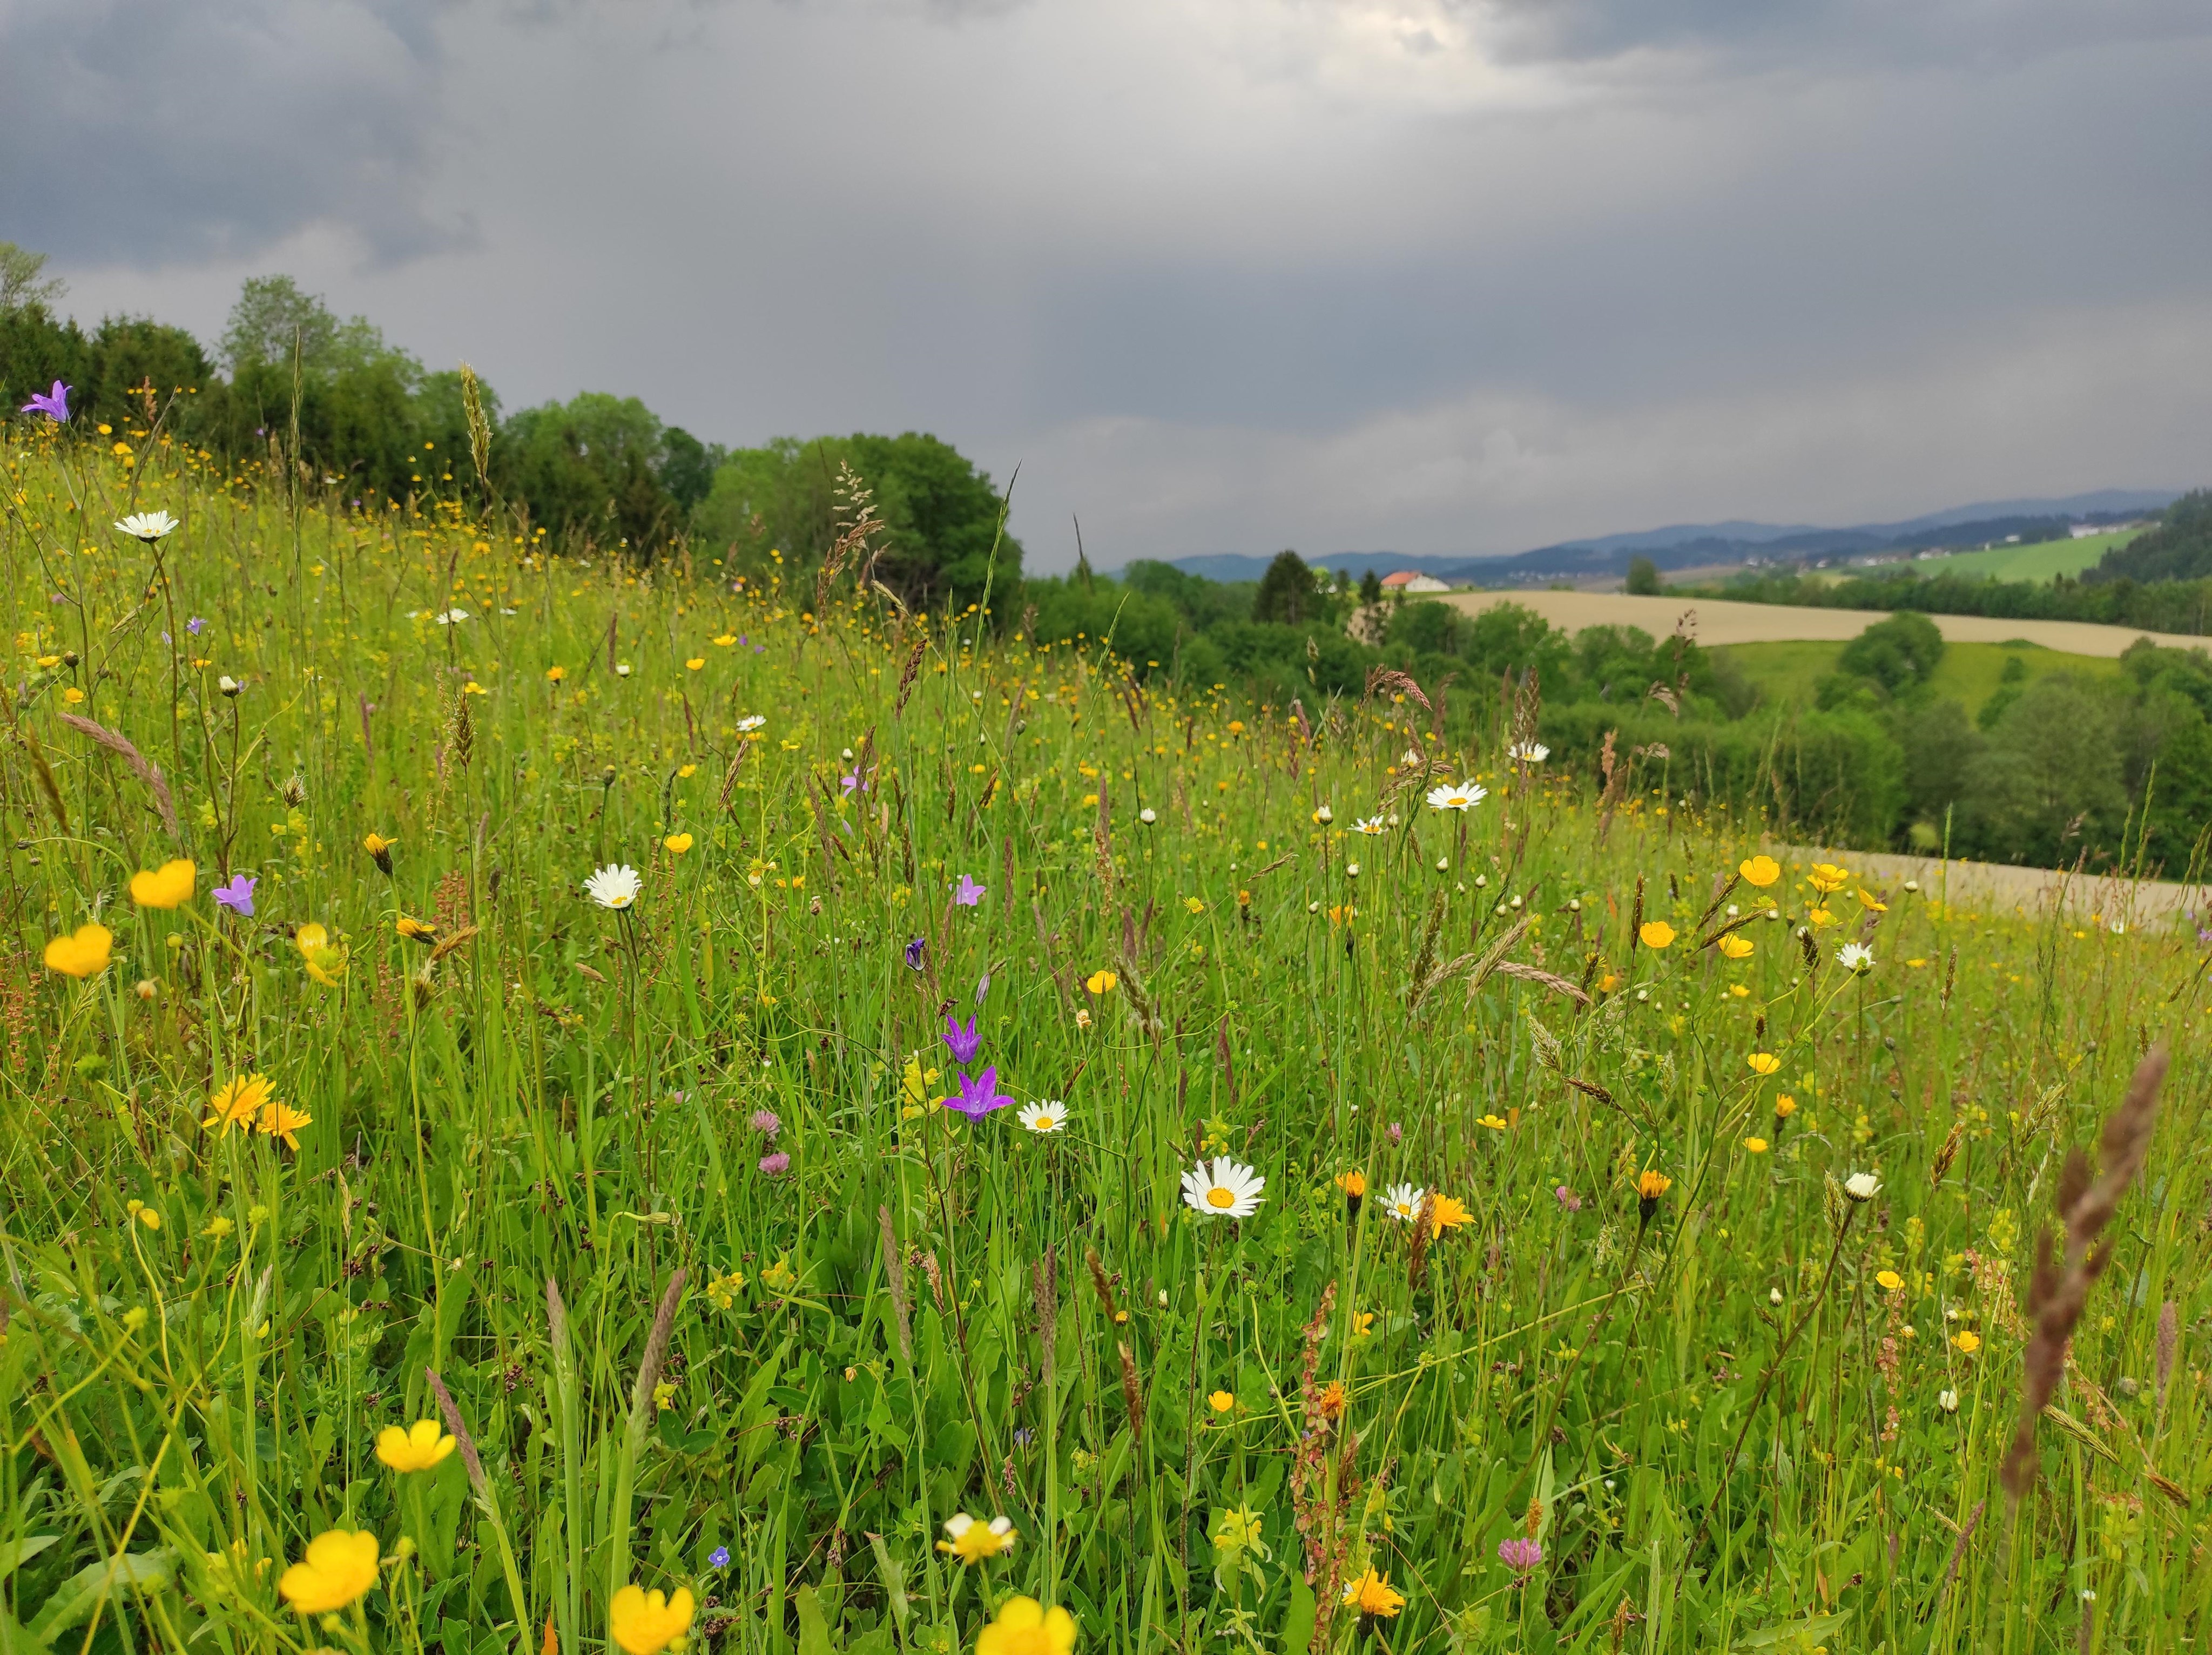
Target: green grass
2041	561
1969	673
514	1139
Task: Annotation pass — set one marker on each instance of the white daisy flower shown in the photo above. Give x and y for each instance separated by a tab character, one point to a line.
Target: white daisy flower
451	617
613	887
1855	957
750	723
1861	1186
1224	1190
1403	1202
1529	752
1147	816
1370	824
1046	1115
149	526
1462	796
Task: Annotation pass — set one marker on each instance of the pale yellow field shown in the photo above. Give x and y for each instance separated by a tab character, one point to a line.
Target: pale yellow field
1718	623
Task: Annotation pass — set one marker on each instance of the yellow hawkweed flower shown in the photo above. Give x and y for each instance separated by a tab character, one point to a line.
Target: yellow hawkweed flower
380	849
338	1569
238	1101
417	930
281	1120
1448	1214
646	1622
1756	1145
84	952
415	1447
555	675
1372	1595
169	886
1784	1107
1026	1627
1656	934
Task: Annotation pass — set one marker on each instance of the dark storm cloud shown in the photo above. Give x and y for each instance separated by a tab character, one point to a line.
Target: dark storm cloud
158	132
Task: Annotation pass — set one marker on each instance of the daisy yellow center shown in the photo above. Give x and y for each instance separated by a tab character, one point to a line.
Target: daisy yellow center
1219	1195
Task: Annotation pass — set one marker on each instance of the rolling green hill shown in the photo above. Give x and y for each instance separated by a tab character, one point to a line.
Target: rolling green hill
1969	673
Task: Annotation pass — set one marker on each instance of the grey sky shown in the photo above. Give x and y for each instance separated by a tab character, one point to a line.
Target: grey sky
1222	275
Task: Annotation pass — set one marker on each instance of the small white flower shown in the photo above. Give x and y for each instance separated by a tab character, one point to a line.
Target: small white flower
1774	1296
1912	885
1046	1115
1861	1186
1462	796
1443	864
229	685
1324	815
1855	957
149	526
750	723
1403	1202
1224	1189
1482	882
1732	911
1148	816
1948	1401
621	669
613	887
1411	755
1370	826
1529	752
507	611
450	617
1353	868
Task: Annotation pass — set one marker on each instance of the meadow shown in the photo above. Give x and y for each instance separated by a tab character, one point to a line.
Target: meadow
552	1105
2042	559
1787	673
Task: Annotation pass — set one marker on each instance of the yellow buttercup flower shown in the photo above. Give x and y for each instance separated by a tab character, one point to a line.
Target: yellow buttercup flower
169	886
338	1569
1764	1063
1888	1280
677	844
1222	1401
1968	1341
695	662
83	953
1026	1627
1828	878
1656	934
325	960
415	1447
1760	870
1101	982
684	772
1756	1145
1870	902
238	1101
1736	948
1784	1107
646	1622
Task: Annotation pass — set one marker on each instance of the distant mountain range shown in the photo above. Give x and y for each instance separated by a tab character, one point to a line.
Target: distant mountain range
1692	545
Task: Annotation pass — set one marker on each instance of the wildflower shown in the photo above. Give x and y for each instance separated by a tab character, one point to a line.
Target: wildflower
1529	752
1656	934
1784	1107
1101	982
1827	878
1760	870
1354	1185
1888	1280
1736	948
695	664
1495	1123
169	886
340	1568
413	1448
1855	957
1192	904
1764	1063
964	1041
149	526
83	953
1082	1016
196	624
613	887
1758	1146
450	617
1332	1400
238	1101
646	1622
281	1120
1449	1212
1948	1401
1869	901
974	1543
685	772
1221	1401
978	1097
764	1122
1226	1190
915	951
144	1214
1045	1116
1148	816
1403	1202
1370	826
1567	1199
415	931
1371	1593
1026	1627
776	1164
1238	1528
1520	1554
1649	1186
677	844
967	894
1861	1186
230	686
554	675
1967	1340
720	1557
750	723
238	895
54	405
1323	816
325	960
1464	796
379	850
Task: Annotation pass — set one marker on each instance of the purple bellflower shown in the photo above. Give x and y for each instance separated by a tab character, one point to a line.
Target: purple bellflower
54	405
979	1097
194	625
238	895
968	892
965	1042
916	951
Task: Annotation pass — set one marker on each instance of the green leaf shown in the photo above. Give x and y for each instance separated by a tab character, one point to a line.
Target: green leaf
1817	1626
16	1553
813	1630
1298	1622
77	1597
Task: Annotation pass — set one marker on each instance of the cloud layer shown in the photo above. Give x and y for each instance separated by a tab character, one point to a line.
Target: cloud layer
1224	274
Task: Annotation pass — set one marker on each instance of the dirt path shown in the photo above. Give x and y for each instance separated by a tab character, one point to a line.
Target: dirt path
1998	888
1722	623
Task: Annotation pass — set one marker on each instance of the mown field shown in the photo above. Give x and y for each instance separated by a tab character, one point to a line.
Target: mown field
1508	1229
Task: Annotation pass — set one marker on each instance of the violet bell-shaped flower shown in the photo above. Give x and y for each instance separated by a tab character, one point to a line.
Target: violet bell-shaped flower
965	1042
979	1096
